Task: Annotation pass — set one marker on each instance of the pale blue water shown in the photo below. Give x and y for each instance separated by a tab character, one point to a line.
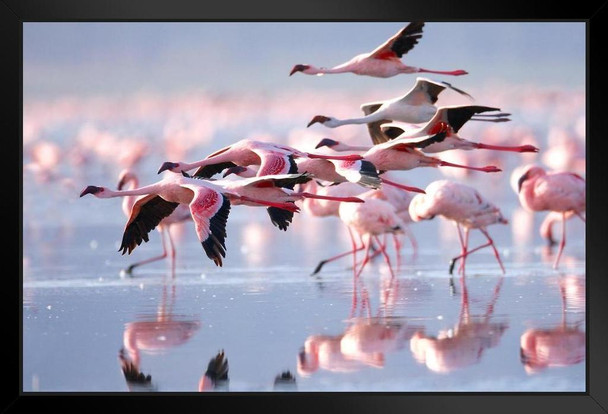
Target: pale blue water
263	306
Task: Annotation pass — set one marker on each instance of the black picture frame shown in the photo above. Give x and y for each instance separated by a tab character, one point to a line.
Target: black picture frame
13	13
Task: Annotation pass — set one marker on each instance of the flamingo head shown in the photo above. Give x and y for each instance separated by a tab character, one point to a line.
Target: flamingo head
125	177
322	119
99	192
299	68
234	170
175	167
326	142
527	173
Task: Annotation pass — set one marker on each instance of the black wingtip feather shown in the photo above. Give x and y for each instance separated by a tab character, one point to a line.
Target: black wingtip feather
369	175
280	217
214	245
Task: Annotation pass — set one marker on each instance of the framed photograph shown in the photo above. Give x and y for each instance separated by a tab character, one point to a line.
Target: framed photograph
314	206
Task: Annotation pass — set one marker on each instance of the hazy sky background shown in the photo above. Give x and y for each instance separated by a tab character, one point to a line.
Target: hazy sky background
122	57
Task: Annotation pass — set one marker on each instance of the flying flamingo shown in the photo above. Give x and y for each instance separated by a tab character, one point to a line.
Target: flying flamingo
272	158
208	206
399	155
444	127
209	203
562	192
179	215
464	206
216	375
415	107
361	172
382	62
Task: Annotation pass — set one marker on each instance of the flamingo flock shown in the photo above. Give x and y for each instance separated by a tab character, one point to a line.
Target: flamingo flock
406	133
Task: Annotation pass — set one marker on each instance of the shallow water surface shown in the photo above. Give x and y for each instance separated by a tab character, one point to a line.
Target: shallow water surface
83	322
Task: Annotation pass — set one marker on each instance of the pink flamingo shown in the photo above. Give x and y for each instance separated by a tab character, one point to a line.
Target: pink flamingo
415	107
369	220
444	127
400	155
272	158
361	172
563	192
179	215
209	204
382	62
216	375
464	206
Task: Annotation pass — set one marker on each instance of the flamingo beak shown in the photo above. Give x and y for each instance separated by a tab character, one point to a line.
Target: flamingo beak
234	170
121	184
298	68
91	189
521	181
167	166
326	142
319	118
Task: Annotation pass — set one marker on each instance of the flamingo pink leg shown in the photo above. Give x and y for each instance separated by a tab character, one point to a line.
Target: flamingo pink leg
521	148
402	186
397	244
172	251
458	72
336	257
485	233
489	243
489	168
332	198
366	258
414	244
285	206
386	258
562	242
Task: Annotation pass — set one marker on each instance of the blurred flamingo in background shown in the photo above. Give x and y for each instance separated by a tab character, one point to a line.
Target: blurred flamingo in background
179	215
562	192
565	152
463	205
384	61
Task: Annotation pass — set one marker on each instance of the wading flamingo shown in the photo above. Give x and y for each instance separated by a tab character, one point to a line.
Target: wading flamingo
464	206
561	192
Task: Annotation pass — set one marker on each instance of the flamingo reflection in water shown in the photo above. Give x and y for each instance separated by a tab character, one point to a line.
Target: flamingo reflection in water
155	334
215	377
564	344
464	344
363	343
